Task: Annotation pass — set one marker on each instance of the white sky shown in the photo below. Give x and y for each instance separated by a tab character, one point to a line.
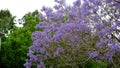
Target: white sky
19	8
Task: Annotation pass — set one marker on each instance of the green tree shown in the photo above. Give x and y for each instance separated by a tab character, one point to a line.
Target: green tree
15	47
6	21
31	18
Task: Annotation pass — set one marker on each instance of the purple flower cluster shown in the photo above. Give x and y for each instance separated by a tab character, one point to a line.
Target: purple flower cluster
93	54
90	28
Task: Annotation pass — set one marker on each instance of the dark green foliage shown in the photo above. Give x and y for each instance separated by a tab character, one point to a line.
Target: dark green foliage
6	21
15	46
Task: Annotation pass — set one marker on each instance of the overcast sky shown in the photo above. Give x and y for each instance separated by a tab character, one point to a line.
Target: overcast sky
21	7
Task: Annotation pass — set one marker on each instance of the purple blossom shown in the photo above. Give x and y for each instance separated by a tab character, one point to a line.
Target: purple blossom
39	58
60	1
99	25
57	7
93	54
77	3
31	49
118	23
58	51
41	24
82	26
41	66
95	2
71	15
114	47
36	35
41	50
106	31
102	43
46	9
98	60
58	36
28	64
95	9
30	53
109	56
85	9
68	27
108	1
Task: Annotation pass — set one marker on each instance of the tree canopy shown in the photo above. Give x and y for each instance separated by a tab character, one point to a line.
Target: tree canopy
15	46
6	21
72	35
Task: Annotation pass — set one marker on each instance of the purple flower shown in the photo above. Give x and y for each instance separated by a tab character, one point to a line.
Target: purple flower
41	24
58	51
58	36
42	50
41	66
37	43
114	47
107	31
109	56
102	43
77	3
95	2
82	26
98	60
46	9
60	1
28	64
30	53
39	58
99	25
108	1
71	15
68	27
36	35
118	23
57	7
93	54
85	9
95	9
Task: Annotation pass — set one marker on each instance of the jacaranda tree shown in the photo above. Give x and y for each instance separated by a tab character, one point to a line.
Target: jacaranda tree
73	35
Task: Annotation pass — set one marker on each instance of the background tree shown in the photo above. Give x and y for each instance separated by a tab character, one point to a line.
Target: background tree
6	21
15	47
